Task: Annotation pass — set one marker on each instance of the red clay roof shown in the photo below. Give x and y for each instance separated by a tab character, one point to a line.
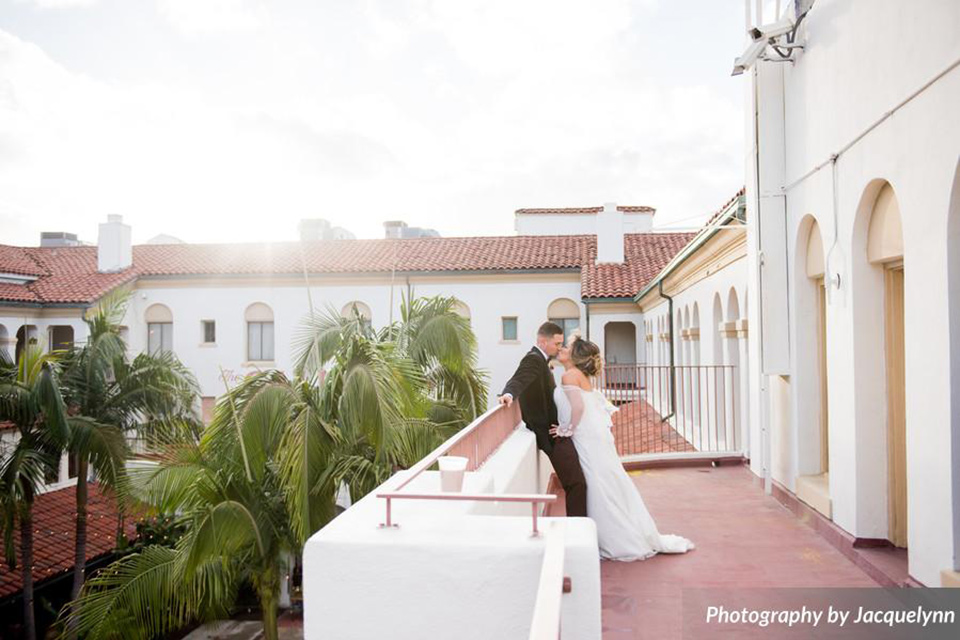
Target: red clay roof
16	260
70	273
645	254
582	210
54	522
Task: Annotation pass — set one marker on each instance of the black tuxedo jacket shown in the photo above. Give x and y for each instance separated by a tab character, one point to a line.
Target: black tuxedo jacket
532	386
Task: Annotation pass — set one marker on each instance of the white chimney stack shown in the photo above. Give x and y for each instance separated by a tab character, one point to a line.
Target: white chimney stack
114	249
610	235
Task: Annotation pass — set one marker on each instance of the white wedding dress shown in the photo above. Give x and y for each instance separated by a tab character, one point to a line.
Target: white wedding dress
625	529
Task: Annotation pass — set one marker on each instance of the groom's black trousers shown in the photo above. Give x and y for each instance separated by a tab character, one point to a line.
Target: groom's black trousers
532	386
566	463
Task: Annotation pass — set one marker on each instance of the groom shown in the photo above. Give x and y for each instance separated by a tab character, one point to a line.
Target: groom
533	385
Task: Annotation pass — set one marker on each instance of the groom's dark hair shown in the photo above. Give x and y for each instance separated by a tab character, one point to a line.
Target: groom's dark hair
549	329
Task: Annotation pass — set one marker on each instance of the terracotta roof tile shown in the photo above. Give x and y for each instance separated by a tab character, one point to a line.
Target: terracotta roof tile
71	272
644	255
54	522
17	260
583	210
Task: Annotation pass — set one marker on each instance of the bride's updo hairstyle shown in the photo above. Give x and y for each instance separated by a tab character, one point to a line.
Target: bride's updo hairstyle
585	356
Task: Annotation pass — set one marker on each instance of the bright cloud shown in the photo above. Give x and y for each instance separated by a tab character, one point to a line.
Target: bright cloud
240	118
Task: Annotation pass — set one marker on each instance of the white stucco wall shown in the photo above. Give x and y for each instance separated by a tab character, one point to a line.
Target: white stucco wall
489	298
576	224
841	83
443	572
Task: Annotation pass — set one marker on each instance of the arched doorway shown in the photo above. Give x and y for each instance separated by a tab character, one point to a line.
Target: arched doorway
878	289
620	353
813	422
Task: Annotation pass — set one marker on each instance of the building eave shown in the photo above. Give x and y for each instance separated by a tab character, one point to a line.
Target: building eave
733	211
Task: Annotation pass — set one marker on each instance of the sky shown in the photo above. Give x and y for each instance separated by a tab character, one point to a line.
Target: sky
232	120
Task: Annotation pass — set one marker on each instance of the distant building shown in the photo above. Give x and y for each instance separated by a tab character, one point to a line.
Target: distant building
400	229
313	229
58	239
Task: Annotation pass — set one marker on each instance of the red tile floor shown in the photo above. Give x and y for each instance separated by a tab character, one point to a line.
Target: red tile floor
744	538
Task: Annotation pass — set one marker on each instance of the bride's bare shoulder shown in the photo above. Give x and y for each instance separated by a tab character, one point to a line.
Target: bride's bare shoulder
575	377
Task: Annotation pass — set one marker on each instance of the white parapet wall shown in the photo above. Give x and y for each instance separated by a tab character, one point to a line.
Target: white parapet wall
450	569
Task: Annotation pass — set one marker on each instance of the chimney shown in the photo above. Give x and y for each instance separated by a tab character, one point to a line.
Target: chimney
114	250
610	235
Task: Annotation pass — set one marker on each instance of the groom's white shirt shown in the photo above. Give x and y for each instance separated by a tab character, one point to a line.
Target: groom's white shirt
543	353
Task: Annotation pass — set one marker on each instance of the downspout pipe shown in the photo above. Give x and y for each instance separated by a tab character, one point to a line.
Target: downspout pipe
673	368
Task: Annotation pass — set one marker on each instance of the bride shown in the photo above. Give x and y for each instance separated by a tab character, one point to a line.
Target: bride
625	529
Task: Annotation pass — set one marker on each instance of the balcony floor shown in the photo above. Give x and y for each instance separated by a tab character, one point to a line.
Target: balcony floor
744	538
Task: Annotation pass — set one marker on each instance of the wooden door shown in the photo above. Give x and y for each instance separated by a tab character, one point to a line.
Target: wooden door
896	406
822	371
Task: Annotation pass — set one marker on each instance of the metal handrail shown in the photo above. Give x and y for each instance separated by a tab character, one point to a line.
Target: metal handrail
480	456
546	611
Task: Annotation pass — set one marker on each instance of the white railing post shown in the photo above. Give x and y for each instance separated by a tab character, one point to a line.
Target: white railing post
547	610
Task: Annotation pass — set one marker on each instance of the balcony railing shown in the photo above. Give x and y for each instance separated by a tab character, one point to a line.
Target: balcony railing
683	409
476	442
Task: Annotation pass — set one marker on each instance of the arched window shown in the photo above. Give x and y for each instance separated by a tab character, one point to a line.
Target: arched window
885	238
159	329
259	319
461	309
360	307
5	340
566	313
60	337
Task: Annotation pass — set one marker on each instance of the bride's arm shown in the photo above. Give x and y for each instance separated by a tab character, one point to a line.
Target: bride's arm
575	398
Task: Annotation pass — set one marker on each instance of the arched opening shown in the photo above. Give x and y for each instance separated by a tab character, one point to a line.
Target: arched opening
260	332
356	306
159	321
565	313
60	337
26	335
731	372
695	335
461	309
880	382
620	354
716	321
5	341
810	381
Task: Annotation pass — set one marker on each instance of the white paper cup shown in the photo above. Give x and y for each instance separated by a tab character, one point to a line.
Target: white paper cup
451	473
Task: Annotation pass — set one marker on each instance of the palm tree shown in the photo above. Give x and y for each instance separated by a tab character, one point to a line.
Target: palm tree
30	399
110	397
266	472
240	518
430	335
393	395
444	346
